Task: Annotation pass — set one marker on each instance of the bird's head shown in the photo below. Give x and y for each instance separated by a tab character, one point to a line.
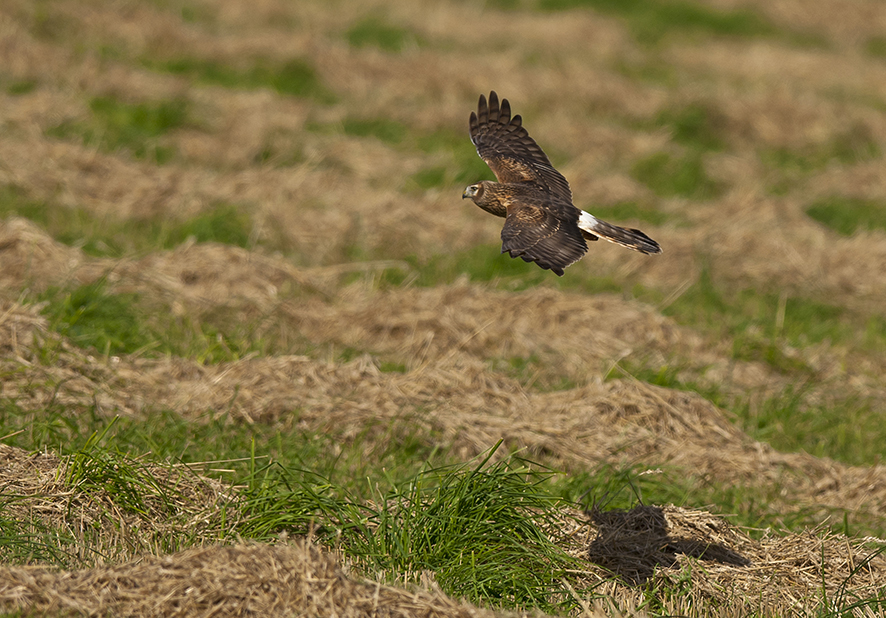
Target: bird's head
473	191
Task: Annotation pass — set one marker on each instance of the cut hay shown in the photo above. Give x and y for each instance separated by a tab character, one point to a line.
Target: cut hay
296	579
349	188
88	522
448	336
687	561
779	121
796	576
573	336
652	551
453	397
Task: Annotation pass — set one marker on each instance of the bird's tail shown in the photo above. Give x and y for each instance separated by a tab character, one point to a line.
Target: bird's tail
591	226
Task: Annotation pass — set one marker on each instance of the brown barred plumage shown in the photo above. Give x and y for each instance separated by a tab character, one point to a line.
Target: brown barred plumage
541	223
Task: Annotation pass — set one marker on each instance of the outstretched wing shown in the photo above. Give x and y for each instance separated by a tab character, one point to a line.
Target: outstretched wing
547	235
508	150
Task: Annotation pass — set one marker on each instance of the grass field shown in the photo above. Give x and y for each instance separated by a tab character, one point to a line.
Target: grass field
259	358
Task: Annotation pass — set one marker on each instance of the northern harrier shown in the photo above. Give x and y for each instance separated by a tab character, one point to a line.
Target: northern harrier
541	223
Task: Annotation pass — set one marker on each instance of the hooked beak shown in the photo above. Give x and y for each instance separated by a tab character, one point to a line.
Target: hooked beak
465	194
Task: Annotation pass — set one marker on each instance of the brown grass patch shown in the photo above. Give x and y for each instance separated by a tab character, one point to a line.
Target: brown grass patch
347	187
447	337
570	338
591	94
684	558
714	564
42	493
454	397
239	580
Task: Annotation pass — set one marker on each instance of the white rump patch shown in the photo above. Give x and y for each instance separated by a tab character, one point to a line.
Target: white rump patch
587	222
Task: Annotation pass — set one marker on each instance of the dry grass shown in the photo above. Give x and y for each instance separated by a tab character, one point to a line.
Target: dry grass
275	580
335	215
723	566
623	555
347	178
450	390
41	489
670	548
235	580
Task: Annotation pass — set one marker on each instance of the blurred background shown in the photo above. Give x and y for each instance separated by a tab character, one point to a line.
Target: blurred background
267	193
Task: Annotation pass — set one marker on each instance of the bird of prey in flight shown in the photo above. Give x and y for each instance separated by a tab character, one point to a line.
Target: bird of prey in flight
541	223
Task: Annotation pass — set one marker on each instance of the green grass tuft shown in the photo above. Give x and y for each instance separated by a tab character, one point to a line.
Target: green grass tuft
651	20
695	125
467	167
392	367
187	11
479	530
670	176
628	211
430	178
847	215
126	323
107	236
763	316
133	120
652	70
848	147
18	87
295	77
374	32
92	317
134	127
225	223
753	349
876	46
30	541
100	472
383	129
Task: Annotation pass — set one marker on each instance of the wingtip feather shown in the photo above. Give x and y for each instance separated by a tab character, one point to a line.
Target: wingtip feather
482	110
493	105
504	114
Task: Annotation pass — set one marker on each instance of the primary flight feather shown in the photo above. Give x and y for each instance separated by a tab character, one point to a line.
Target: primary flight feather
541	223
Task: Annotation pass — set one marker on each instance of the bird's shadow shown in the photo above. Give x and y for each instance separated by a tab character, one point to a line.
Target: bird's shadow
632	543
